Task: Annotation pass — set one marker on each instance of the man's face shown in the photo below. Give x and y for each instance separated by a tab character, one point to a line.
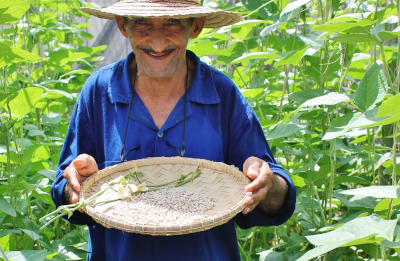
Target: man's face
160	44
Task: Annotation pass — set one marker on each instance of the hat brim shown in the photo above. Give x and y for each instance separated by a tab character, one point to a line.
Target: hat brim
165	9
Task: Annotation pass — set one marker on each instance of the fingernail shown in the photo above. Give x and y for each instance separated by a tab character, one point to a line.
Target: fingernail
249	201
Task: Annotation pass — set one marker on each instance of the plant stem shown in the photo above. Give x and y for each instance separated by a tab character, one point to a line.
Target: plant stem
332	177
180	181
319	205
385	66
394	150
306	209
320	4
242	251
251	243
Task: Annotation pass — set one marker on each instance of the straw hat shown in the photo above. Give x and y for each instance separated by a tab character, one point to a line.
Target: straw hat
166	8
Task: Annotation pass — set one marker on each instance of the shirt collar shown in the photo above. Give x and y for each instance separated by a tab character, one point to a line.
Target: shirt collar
202	89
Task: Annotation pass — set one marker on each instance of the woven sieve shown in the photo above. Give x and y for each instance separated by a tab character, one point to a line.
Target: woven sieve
222	183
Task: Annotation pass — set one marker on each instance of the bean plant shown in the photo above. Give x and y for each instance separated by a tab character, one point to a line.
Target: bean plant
44	63
322	76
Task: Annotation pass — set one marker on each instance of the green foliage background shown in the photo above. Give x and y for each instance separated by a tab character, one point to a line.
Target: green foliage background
322	76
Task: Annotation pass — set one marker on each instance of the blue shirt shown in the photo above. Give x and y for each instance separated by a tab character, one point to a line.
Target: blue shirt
220	126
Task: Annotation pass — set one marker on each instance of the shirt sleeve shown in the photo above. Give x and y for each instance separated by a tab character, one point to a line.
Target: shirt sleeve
77	141
247	139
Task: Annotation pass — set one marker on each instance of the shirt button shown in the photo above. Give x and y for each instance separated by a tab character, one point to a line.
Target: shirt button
161	134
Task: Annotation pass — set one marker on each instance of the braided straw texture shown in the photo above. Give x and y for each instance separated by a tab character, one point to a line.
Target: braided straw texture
165	9
222	183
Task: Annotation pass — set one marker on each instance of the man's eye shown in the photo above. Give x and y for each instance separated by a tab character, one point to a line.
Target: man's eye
140	21
173	21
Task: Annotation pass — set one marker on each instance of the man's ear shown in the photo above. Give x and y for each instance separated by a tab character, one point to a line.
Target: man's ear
197	27
121	25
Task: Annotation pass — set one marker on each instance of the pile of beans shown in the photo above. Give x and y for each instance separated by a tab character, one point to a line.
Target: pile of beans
164	207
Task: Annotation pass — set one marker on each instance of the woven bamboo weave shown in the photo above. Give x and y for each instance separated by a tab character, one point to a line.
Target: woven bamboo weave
165	9
222	183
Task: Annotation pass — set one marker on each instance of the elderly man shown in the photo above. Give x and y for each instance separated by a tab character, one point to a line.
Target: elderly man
161	100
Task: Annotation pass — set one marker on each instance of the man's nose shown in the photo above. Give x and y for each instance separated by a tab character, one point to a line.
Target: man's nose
158	38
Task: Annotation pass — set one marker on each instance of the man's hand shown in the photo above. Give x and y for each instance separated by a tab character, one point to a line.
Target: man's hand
268	190
80	169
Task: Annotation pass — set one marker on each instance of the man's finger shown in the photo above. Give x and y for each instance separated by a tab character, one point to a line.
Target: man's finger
85	165
254	199
70	194
73	178
251	167
263	179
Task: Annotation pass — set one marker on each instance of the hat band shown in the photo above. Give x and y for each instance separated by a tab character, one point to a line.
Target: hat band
198	2
165	9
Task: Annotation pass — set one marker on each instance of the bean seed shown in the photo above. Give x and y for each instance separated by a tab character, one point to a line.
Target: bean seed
164	207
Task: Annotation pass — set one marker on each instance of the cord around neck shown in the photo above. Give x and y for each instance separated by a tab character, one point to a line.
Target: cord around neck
182	152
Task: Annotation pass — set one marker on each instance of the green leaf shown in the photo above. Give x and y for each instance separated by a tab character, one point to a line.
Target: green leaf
283	130
384	204
265	123
320	250
331	98
268	29
25	101
293	57
55	94
351	26
7	242
339	127
386	36
270	255
68	253
358	231
376	30
363	119
302	96
252	93
390	244
358	228
293	6
375	191
351	179
50	174
51	118
256	56
27	255
390	108
36	153
10	54
34	133
76	72
244	29
31	234
353	38
381	35
5	232
352	120
12	10
298	181
6	207
372	88
204	48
